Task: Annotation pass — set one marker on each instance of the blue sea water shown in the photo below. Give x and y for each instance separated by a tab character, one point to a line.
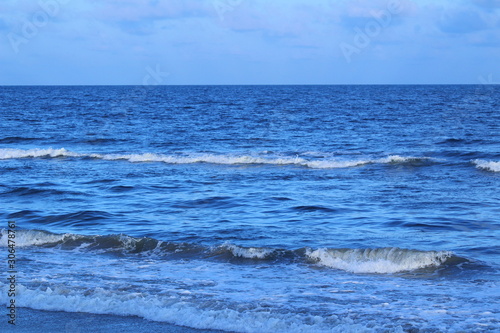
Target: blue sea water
257	208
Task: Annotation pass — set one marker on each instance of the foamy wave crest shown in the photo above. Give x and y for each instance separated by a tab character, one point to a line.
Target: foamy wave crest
487	165
7	153
332	164
247	252
36	237
381	260
402	159
200	158
97	243
222	159
211	315
235	160
246	159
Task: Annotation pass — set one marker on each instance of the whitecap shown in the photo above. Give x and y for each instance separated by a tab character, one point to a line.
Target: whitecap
379	260
487	165
247	252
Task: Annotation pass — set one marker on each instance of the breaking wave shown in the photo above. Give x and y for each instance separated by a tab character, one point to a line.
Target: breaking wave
202	315
229	159
487	165
380	260
245	252
377	260
8	153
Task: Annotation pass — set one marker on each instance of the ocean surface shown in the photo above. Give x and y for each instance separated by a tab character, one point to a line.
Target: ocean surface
256	208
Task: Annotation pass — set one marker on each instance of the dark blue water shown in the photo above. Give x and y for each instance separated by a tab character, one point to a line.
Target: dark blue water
257	208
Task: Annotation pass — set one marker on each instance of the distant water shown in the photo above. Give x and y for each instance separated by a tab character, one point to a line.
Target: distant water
257	208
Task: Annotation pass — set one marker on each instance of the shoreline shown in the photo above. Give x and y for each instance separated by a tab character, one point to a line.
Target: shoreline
30	320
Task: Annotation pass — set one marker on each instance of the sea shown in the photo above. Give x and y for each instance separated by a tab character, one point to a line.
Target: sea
269	208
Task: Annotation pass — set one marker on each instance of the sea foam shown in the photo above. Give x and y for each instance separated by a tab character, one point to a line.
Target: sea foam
8	153
35	238
176	311
222	159
379	260
247	252
487	165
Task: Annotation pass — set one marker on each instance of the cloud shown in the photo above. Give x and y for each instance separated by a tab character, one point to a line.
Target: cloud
462	22
250	40
138	17
140	10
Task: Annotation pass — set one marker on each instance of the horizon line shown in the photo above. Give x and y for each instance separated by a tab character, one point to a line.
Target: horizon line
249	84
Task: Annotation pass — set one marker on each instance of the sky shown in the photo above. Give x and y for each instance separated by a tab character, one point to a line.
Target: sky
177	42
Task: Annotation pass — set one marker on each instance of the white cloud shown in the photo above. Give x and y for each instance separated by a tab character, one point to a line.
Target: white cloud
300	36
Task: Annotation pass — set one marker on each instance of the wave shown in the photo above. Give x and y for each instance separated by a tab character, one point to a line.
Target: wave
17	139
37	191
35	237
9	153
108	243
402	159
314	209
487	165
461	141
245	252
229	159
213	315
377	260
247	159
380	260
82	218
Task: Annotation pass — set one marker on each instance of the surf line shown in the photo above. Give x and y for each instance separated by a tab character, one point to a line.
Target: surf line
11	272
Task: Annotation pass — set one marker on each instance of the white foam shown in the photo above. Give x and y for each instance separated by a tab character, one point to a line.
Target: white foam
487	165
175	311
333	164
381	260
400	159
7	153
35	237
248	252
223	159
202	158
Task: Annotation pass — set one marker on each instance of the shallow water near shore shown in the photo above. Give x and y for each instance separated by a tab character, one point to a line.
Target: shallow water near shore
79	322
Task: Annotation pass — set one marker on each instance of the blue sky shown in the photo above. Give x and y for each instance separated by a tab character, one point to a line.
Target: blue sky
249	41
